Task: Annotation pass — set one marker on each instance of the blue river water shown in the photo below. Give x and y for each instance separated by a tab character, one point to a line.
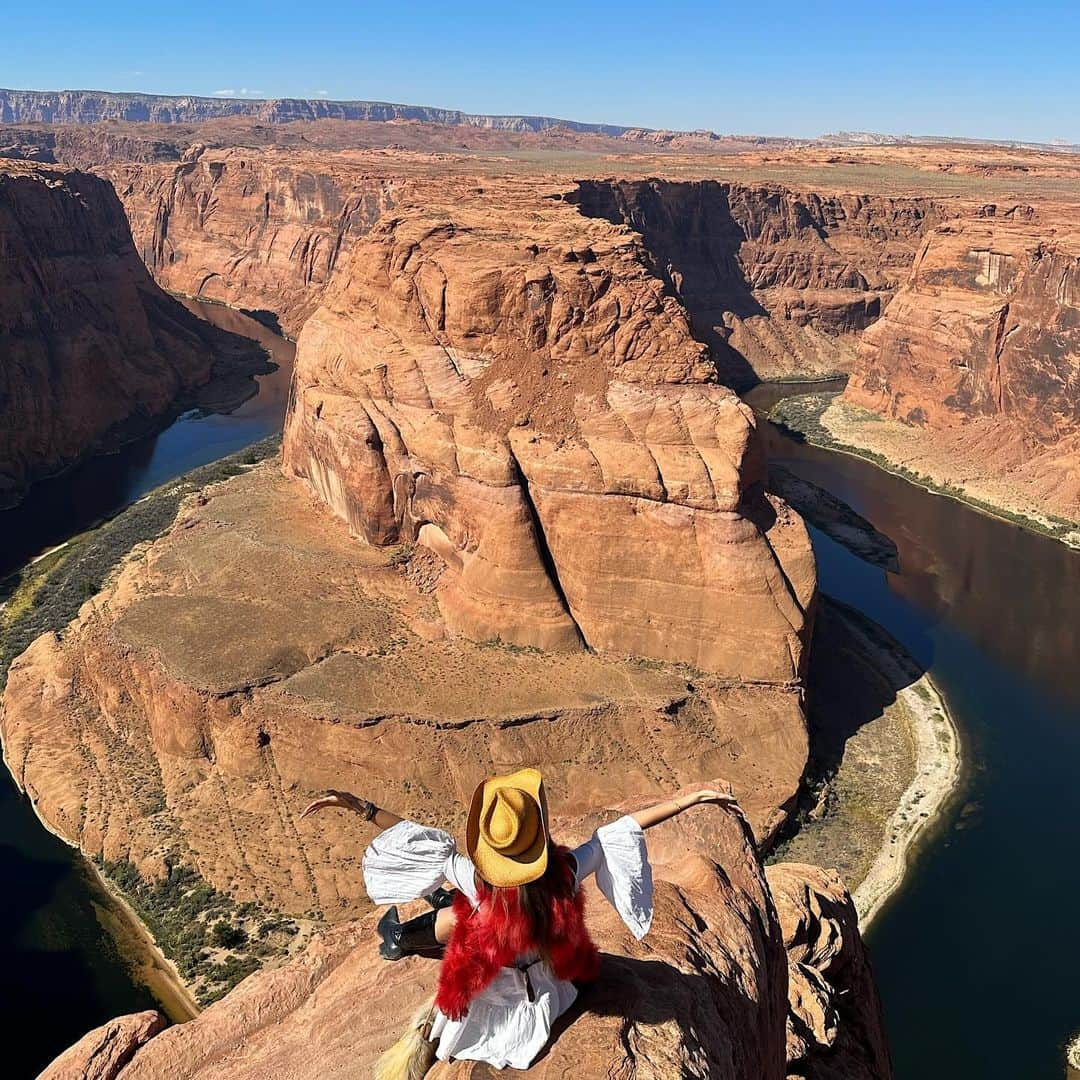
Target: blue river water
978	956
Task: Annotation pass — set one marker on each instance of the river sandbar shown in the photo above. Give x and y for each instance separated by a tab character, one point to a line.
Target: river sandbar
885	758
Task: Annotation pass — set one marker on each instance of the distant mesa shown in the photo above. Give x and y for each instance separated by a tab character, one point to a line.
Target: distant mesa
96	106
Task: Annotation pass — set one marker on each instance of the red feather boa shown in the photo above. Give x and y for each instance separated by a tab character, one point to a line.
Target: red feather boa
494	936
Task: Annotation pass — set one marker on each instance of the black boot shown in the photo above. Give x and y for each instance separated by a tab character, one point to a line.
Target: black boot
440	898
404	939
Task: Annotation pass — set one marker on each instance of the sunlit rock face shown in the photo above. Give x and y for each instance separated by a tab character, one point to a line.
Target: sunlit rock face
508	382
979	353
253	229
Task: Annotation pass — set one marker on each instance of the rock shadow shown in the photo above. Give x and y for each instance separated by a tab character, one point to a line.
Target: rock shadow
842	694
835	518
693	239
646	993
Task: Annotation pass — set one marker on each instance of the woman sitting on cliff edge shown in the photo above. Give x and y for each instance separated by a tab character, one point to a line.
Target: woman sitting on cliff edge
514	927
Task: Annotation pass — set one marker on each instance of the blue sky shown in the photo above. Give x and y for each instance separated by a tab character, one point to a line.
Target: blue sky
989	69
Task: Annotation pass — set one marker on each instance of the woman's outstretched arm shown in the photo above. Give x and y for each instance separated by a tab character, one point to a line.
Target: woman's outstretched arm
345	800
653	815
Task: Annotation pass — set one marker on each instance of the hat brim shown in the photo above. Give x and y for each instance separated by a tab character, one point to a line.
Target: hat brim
505	871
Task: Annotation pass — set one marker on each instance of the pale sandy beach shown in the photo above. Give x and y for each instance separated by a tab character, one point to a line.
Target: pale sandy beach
937	772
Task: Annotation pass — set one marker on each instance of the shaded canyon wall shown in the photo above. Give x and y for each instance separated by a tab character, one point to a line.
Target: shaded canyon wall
91	349
778	283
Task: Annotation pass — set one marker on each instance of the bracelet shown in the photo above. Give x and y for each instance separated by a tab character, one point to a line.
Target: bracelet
370	809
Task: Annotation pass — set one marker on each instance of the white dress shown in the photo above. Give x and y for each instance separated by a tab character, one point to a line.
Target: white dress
506	1025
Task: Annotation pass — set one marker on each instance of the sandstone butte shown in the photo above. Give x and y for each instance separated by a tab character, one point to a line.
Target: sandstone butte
506	383
91	350
746	975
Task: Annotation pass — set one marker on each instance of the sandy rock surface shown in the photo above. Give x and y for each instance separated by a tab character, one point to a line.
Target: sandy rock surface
258	654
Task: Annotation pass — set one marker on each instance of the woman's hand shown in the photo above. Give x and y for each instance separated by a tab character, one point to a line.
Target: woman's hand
654	815
710	795
343	800
346	800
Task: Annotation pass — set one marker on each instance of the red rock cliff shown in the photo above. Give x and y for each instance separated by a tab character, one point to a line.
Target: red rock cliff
979	353
89	345
253	229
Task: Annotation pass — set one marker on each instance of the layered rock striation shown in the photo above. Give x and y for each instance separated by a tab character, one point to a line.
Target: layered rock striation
778	283
91	350
506	383
256	230
743	975
503	403
979	356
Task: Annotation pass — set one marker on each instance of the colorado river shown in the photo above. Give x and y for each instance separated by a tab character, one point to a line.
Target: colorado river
64	971
977	957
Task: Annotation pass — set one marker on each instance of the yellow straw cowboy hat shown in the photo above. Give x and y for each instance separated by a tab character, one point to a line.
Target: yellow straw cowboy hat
507	832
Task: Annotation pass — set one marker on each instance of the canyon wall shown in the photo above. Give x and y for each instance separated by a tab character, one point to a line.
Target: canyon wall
745	975
539	483
91	350
87	148
978	356
252	229
778	284
553	546
506	382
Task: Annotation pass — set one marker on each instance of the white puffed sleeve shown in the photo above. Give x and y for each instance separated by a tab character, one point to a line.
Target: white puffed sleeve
616	854
408	861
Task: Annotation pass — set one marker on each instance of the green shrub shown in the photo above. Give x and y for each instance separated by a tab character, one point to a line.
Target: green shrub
227	936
